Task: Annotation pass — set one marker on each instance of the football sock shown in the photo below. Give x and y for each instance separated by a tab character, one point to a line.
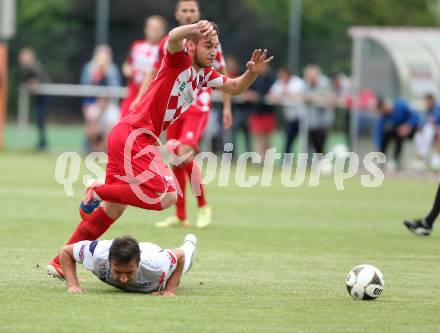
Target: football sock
195	176
97	224
430	218
123	194
187	248
180	174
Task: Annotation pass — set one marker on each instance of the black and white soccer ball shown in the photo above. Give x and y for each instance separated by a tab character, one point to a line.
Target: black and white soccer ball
365	282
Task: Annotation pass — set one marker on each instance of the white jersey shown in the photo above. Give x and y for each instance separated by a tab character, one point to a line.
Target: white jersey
155	267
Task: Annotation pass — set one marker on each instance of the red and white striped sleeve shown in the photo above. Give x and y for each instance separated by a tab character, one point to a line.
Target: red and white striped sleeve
219	62
213	79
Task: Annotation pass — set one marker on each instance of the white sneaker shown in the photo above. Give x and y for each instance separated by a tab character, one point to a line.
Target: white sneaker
173	222
435	162
204	217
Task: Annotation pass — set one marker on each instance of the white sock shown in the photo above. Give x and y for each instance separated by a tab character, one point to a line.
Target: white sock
188	248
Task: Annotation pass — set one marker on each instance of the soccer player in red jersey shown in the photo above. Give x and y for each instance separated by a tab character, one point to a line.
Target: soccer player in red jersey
186	134
141	58
136	175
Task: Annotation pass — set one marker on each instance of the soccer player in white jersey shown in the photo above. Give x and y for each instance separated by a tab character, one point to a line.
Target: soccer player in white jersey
128	265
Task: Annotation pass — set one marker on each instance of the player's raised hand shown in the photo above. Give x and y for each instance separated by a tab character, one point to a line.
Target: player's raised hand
205	29
75	290
258	61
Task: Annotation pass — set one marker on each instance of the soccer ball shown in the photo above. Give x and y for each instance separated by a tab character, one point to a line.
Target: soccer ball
365	282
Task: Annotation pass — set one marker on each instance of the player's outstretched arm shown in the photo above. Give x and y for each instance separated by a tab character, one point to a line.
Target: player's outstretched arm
255	67
68	265
177	35
174	279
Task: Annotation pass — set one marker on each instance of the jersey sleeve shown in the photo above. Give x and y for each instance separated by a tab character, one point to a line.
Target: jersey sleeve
219	62
89	253
177	60
213	79
163	262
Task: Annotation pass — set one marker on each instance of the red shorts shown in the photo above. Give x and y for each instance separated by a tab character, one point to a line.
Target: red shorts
189	128
262	123
158	177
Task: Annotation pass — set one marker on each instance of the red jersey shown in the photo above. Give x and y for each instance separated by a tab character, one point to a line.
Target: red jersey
172	92
204	101
141	57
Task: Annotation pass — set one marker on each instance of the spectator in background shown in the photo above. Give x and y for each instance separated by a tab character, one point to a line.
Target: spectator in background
429	133
341	90
100	118
142	55
397	122
319	102
240	112
99	71
288	89
262	120
32	74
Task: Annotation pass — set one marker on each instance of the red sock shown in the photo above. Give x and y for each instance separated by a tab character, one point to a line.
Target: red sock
180	174
90	229
195	176
123	194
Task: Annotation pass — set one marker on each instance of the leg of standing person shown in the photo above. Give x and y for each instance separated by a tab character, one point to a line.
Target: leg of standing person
40	118
423	226
291	132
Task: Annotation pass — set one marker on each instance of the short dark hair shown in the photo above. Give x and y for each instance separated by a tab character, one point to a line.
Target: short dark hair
161	19
124	249
180	1
216	28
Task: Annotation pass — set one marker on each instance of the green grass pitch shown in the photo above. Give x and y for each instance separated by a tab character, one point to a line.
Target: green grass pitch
274	260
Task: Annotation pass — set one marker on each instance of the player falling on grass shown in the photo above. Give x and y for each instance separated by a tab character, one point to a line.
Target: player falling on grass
136	174
185	135
141	57
423	226
128	265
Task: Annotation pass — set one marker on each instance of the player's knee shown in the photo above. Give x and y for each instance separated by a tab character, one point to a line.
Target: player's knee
114	210
169	200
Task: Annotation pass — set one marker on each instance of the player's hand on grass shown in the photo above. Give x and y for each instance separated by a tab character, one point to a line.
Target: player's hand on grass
75	290
164	293
168	294
258	61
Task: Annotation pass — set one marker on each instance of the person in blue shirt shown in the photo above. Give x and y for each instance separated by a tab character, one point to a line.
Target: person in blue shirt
429	132
397	122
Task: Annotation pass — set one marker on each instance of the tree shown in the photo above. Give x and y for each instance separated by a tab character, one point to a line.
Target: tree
324	28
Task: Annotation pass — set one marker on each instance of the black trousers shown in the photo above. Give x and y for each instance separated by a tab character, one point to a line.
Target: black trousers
317	139
40	106
291	132
389	135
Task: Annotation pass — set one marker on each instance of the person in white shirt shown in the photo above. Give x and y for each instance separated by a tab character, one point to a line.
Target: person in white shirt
287	91
128	265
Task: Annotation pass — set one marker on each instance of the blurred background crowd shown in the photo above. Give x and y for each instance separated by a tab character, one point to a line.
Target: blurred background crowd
299	105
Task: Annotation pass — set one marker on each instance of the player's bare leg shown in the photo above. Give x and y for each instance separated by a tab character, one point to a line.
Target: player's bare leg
204	214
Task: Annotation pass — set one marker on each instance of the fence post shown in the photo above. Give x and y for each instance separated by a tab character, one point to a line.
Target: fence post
23	114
